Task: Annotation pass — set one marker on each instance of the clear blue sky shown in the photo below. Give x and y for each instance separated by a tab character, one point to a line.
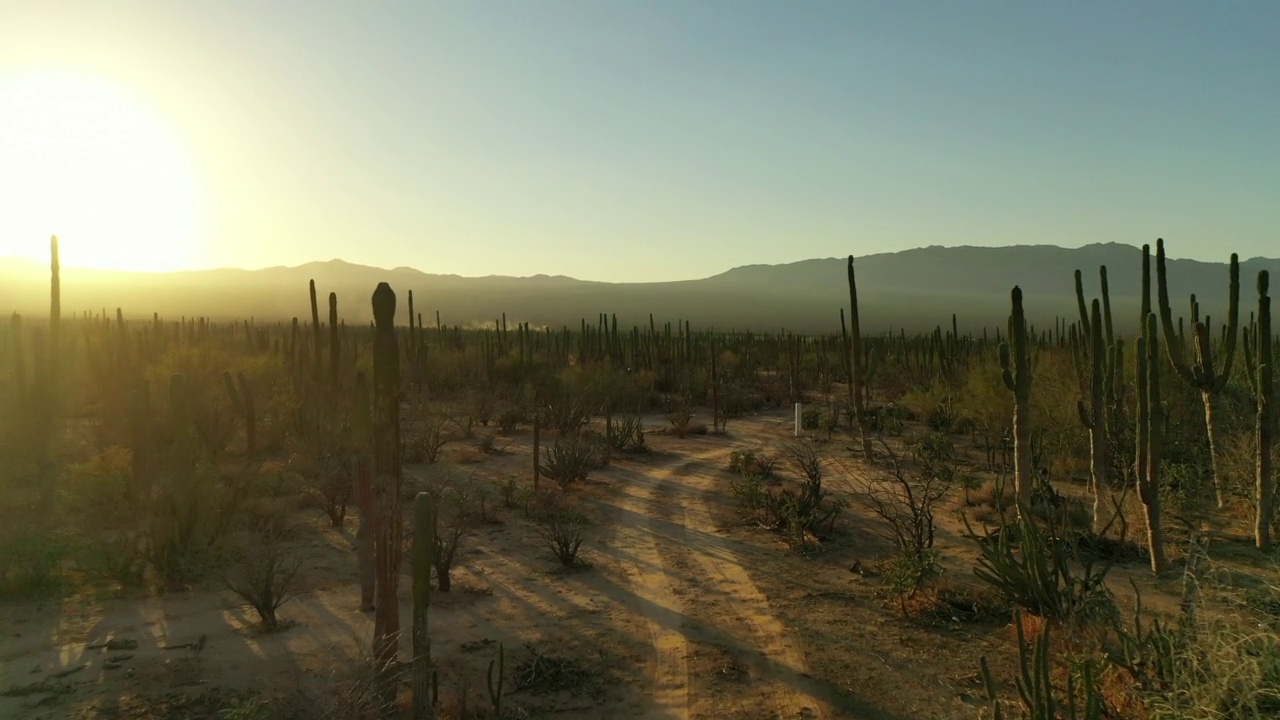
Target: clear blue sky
672	139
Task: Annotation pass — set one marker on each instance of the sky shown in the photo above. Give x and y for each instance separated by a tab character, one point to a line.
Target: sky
631	141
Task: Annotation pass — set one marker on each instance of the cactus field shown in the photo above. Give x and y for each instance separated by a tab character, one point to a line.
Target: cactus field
424	517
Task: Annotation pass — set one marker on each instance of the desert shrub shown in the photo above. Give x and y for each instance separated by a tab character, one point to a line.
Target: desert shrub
489	444
736	401
512	492
934	405
810	417
433	432
679	413
1185	487
263	569
567	403
1202	665
561	524
101	492
569	459
805	459
115	556
563	535
333	487
1043	572
325	450
749	463
459	503
627	435
1040	698
751	496
881	420
482	404
907	501
189	517
510	417
798	513
906	573
31	565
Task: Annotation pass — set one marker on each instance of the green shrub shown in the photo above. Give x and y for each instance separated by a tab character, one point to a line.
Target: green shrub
1043	572
749	463
32	564
569	459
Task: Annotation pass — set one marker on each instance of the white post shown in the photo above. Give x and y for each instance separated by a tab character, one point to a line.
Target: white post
799	416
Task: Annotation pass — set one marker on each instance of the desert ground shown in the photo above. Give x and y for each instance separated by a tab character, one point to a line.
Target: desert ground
677	610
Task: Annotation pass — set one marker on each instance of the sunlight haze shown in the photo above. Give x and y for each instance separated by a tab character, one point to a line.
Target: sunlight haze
630	141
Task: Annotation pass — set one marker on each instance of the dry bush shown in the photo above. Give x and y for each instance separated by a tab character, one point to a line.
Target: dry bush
563	534
907	500
263	568
189	517
749	463
569	459
101	493
460	504
1212	662
560	524
679	413
627	435
118	556
800	514
434	431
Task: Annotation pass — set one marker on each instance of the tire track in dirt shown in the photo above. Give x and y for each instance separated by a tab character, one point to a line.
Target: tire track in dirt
658	602
724	603
722	564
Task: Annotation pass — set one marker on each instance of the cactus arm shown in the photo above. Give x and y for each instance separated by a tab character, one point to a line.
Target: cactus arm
1173	348
1080	306
1232	326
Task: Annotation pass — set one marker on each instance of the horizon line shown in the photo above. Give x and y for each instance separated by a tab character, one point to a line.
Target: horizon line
26	260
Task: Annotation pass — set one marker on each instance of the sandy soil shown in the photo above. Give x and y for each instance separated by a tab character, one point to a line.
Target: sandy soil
681	613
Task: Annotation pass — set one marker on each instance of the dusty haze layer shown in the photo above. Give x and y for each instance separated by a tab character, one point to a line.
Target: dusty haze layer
914	290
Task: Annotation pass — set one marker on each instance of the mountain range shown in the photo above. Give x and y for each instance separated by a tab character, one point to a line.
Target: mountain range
912	289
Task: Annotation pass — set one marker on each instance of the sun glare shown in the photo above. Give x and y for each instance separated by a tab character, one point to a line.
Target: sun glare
83	160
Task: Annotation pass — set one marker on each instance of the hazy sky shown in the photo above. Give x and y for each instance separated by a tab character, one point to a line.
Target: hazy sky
638	140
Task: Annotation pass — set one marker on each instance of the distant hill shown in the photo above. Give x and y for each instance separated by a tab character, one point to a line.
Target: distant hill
913	289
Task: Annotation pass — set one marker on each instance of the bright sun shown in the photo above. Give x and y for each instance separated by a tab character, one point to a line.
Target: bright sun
83	160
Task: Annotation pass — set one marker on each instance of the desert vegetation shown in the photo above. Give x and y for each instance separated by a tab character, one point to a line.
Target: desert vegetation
316	519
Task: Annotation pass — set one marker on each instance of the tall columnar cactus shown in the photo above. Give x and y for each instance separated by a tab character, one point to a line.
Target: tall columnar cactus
335	344
1015	366
1093	415
857	367
424	533
387	459
315	330
1202	375
362	430
55	319
1150	420
242	402
1258	364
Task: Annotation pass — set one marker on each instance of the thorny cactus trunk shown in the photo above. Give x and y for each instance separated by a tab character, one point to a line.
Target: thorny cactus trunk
363	491
424	533
1202	374
315	331
857	366
1092	415
55	320
387	456
1015	365
335	345
537	437
1264	489
1147	459
242	402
